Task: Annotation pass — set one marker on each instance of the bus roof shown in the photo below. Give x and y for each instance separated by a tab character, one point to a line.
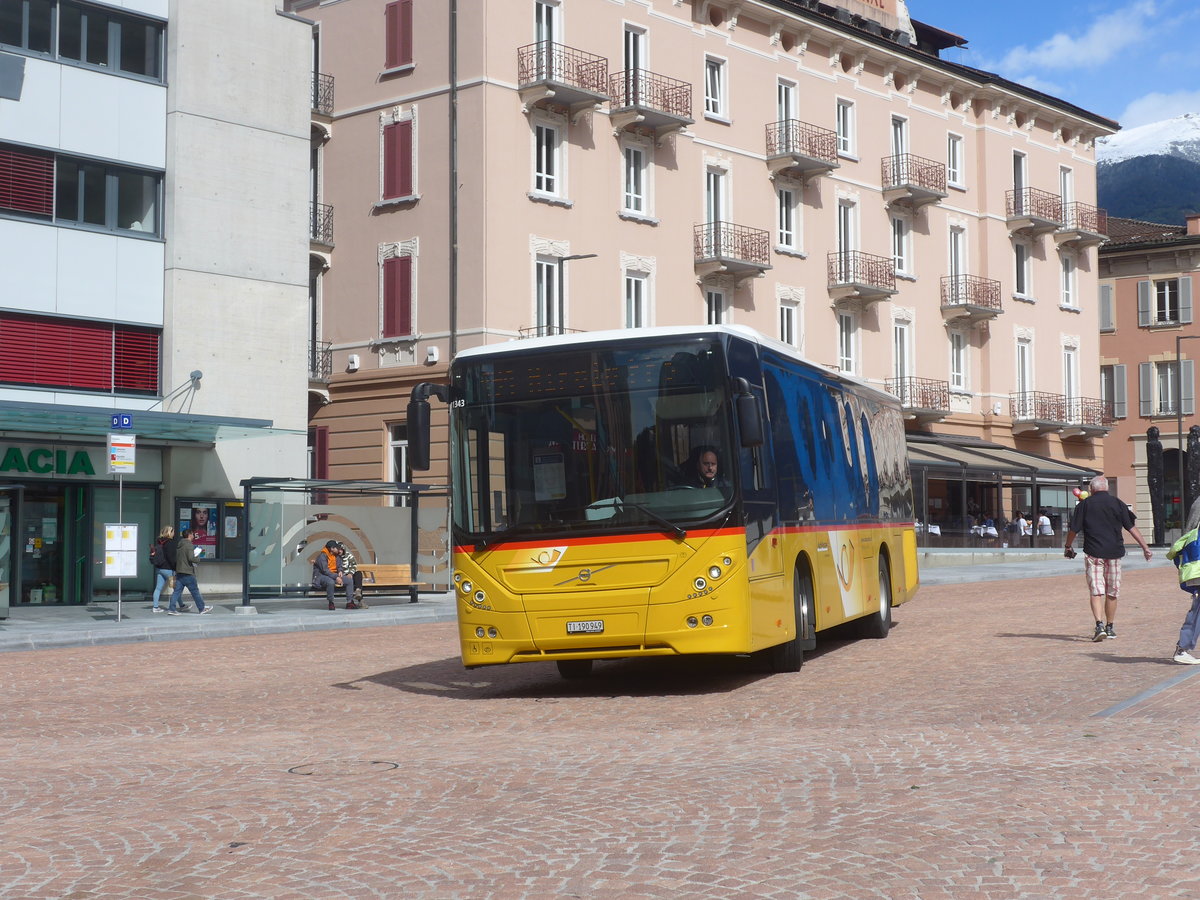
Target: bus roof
621	335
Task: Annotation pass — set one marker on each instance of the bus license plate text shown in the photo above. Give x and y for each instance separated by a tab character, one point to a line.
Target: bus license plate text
595	626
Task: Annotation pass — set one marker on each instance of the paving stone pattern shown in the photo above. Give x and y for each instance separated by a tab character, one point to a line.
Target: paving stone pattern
986	749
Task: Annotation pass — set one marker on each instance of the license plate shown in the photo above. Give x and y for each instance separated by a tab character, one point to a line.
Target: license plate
595	626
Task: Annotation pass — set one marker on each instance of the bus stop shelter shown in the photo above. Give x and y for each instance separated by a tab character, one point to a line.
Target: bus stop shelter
383	523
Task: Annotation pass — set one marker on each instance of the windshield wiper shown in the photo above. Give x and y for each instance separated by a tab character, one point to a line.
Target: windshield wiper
666	523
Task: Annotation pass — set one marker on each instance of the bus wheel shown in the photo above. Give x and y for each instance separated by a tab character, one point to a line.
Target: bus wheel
879	623
789	656
574	668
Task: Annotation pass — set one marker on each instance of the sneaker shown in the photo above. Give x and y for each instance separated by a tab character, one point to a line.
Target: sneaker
172	612
352	606
184	607
1110	632
206	609
1100	634
1182	656
156	609
332	605
362	604
358	596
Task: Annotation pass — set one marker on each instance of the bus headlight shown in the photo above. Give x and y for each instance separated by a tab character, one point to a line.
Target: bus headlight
479	632
714	572
493	633
466	587
700	584
727	562
480	596
692	622
706	620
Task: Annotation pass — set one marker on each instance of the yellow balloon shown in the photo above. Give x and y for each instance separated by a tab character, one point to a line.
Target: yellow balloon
1083	495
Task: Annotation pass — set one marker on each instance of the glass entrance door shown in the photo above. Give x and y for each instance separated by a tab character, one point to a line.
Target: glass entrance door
10	580
48	544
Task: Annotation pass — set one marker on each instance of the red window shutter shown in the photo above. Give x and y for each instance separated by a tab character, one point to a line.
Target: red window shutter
397	160
318	441
398	29
397	296
135	360
26	181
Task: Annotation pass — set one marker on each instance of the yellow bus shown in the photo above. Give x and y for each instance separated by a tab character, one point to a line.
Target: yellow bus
590	522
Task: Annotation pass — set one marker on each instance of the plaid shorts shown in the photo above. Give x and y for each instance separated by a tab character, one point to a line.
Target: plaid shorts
1103	576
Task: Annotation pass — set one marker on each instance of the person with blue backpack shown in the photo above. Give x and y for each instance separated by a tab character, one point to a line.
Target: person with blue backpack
1185	553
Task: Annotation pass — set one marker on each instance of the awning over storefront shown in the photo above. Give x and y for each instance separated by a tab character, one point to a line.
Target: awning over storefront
980	459
18	418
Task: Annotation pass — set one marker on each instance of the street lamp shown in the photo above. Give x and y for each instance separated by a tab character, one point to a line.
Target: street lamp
561	283
1183	497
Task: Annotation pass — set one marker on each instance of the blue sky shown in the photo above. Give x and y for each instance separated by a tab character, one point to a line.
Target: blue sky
1128	60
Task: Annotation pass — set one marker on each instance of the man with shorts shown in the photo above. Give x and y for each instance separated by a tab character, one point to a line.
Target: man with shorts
1100	518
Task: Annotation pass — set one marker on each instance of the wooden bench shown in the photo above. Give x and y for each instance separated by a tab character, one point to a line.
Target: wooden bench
389	576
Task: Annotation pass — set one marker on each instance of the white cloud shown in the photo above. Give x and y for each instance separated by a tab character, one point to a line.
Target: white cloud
1155	107
1102	41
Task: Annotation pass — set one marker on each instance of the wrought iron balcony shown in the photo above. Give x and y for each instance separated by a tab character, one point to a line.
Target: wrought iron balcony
797	149
860	278
923	399
550	73
1084	225
322	93
970	297
731	249
644	99
1032	211
320	361
320	224
1038	412
912	181
1088	418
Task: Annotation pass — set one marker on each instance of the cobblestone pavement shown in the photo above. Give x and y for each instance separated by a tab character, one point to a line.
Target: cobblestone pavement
986	749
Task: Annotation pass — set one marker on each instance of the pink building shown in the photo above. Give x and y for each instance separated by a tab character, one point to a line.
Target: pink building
813	170
1147	281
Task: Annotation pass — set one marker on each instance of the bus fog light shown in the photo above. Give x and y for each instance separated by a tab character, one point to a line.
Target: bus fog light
466	587
457	577
707	620
714	572
480	596
727	562
479	632
691	622
492	632
700	583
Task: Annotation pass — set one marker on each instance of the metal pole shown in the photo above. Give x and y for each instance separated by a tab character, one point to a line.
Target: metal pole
1183	497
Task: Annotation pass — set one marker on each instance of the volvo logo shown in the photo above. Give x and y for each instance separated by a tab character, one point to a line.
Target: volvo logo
583	576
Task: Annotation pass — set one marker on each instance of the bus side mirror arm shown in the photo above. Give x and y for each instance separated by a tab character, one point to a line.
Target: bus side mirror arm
418	422
749	414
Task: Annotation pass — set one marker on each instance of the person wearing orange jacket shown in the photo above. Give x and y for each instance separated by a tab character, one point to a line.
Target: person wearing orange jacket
326	575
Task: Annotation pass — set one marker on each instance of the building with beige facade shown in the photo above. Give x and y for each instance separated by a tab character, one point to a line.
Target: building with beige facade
816	171
1148	274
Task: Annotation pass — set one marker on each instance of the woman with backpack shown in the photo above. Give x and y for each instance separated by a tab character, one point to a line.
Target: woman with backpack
162	557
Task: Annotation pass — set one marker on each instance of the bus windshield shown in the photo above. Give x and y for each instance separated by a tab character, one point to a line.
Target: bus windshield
591	439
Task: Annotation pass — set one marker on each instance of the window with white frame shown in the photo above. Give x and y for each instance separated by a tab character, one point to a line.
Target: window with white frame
1167	388
715	101
954	160
549	311
845	127
789	322
635	196
398	467
1021	268
785	100
902	361
1067	267
788	235
1166	301
1024	381
847	335
1070	374
715	307
1113	390
637	299
546	163
901	245
958	360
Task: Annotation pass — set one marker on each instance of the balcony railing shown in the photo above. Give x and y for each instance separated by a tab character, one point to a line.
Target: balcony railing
1033	203
322	93
1084	217
735	243
320	223
796	138
853	267
1089	412
320	361
1038	406
920	393
906	169
547	61
970	290
637	88
536	331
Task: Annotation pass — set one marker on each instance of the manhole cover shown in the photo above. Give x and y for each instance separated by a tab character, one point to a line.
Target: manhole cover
342	768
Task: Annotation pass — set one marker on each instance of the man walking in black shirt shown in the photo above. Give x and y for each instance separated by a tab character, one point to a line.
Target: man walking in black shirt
1101	517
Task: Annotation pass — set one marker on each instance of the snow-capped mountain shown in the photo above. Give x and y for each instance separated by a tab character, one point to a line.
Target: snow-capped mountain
1172	137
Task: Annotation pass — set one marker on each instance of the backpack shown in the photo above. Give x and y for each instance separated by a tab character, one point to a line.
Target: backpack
158	557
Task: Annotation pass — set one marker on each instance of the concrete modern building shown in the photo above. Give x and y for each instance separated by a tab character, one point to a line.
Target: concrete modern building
1148	274
153	195
814	170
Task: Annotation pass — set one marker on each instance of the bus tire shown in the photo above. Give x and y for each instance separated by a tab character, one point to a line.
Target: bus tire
789	656
572	669
879	623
